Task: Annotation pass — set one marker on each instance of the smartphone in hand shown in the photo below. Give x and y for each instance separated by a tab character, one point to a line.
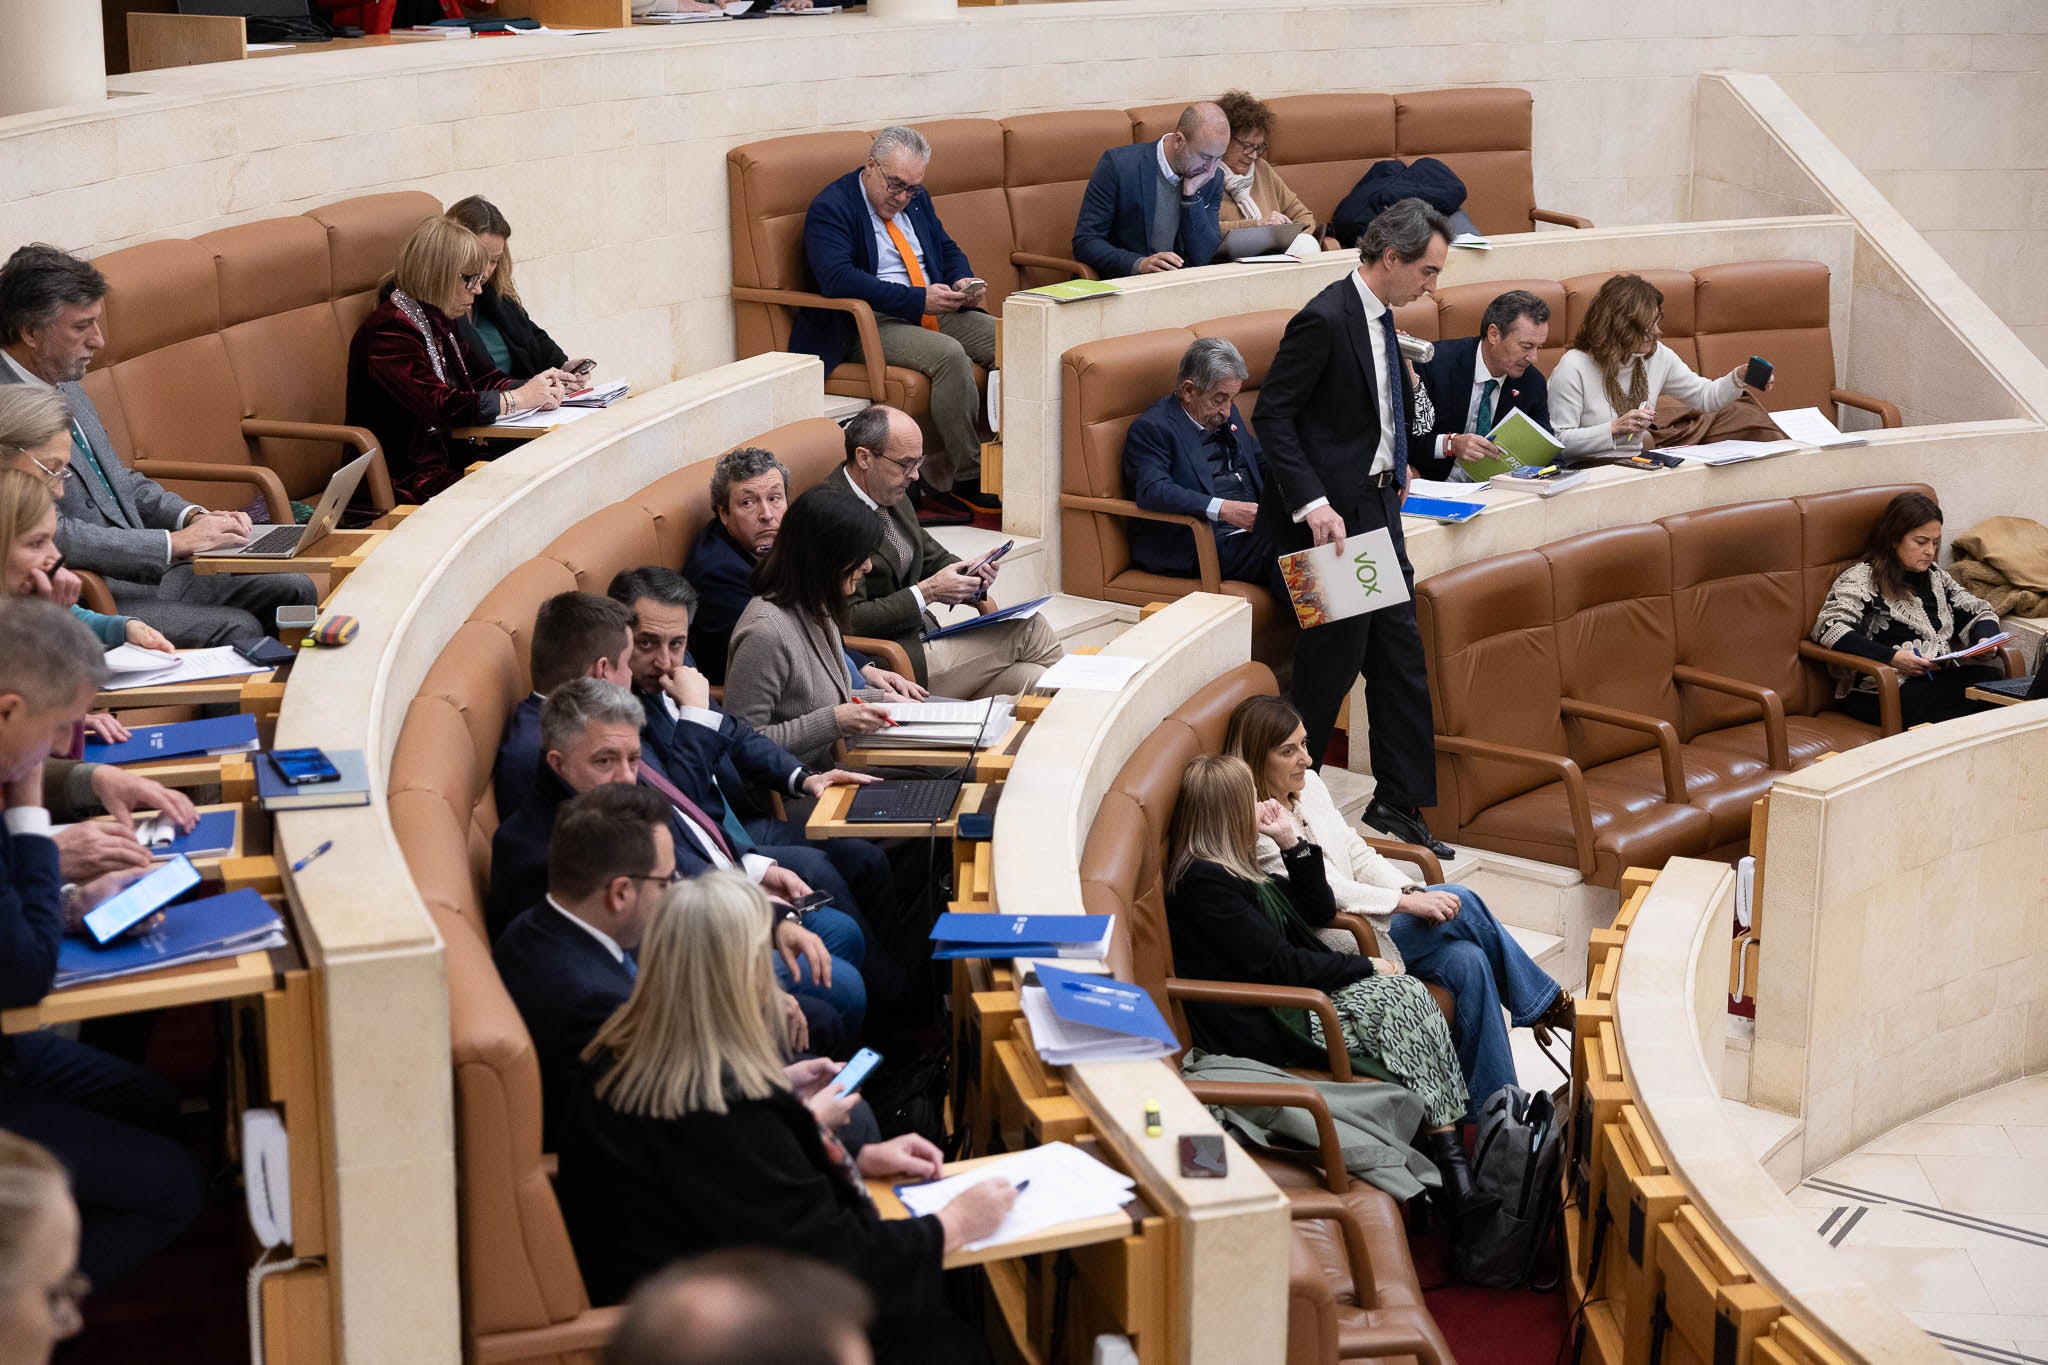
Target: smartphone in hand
1758	374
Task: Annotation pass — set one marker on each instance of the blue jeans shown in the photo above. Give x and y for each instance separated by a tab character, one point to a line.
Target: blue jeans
1484	969
848	994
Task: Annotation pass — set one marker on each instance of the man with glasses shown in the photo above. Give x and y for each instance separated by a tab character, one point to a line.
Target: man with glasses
911	571
873	234
112	520
1152	206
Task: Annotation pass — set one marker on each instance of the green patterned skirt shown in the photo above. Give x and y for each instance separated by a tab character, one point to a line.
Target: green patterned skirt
1394	1020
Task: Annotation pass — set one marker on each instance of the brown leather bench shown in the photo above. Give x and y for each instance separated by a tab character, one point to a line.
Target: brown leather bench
1353	1290
1623	697
1714	317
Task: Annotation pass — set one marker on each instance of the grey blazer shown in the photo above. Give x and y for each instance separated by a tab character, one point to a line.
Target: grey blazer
783	676
129	539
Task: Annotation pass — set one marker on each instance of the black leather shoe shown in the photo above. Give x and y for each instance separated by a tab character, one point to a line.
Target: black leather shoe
1407	826
935	508
969	492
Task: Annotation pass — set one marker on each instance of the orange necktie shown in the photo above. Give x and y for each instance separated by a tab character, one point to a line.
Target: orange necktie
910	266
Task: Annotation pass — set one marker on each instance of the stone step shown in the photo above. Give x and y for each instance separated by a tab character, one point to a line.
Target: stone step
1545	950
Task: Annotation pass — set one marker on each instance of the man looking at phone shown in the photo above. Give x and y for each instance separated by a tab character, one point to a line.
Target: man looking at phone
911	571
108	1120
873	234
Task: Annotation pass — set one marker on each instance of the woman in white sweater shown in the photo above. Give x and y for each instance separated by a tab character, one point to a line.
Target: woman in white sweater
1603	393
1441	934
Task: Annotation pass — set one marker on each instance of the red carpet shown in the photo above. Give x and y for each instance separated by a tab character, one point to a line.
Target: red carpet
1489	1326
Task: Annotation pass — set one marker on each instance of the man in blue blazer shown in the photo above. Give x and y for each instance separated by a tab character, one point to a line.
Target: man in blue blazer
1192	453
1473	381
1151	206
873	234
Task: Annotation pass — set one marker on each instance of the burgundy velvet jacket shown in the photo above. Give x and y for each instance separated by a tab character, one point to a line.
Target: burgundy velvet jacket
394	391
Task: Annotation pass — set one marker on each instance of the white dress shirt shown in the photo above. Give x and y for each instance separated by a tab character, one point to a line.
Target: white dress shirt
888	260
753	864
1166	167
610	944
1392	425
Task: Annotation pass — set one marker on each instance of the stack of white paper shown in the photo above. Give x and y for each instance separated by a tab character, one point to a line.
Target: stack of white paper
1062	1043
1717	453
941	724
129	666
1810	426
1066	1186
1089	673
554	417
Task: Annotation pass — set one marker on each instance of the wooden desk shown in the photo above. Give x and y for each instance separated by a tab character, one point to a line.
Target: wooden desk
828	819
210	692
511	435
193	983
321	558
991	764
1079	1233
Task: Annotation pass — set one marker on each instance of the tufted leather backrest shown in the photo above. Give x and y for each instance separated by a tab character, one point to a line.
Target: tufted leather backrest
1484	136
1047	159
1774	309
965	181
1735	582
363	239
1675	285
770	185
1461	308
1322	145
1616	640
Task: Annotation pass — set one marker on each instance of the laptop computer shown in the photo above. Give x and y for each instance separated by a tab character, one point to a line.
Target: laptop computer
2033	688
282	542
914	800
1260	240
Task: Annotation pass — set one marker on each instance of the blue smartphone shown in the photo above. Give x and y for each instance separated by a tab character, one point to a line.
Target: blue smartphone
301	767
854	1072
140	899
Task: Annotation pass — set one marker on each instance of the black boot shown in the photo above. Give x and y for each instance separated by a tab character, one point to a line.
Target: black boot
1460	1201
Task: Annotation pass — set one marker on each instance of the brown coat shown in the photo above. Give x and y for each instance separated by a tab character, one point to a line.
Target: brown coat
2004	560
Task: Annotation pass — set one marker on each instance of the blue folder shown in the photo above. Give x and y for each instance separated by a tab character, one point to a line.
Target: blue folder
1104	1003
176	740
977	622
1008	936
1441	509
214	834
191	931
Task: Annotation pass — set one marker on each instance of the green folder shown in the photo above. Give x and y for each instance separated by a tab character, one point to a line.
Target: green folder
1527	445
1069	290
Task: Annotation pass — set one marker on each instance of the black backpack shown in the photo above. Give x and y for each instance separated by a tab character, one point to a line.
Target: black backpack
1516	1157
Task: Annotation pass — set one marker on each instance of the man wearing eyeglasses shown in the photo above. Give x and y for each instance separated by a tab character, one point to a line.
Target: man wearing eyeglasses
873	234
1152	206
911	571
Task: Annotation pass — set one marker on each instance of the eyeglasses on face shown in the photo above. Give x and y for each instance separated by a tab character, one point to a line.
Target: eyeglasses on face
895	185
907	466
670	880
1249	148
475	281
55	476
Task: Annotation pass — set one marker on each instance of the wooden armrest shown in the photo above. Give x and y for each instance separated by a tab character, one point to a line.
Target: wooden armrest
1271	997
888	653
1280	1095
1776	748
94	594
1570	220
264	480
1207	565
1560	767
2015	660
1889	720
1027	259
587	1331
358	439
1665	732
1887	413
1360	928
863	324
1432	867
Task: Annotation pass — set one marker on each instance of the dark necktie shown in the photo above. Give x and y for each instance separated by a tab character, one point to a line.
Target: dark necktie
1484	422
692	812
631	962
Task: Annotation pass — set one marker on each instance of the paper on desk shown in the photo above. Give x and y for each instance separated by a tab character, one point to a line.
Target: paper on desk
1089	673
1716	453
1067	1185
534	417
1810	426
1444	488
187	666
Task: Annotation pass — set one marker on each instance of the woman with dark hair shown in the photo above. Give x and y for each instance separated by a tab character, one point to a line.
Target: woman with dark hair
1896	606
498	324
1253	192
1603	393
786	672
1441	934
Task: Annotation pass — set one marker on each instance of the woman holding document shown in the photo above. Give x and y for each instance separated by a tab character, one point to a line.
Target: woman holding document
684	1136
1229	921
1896	606
786	669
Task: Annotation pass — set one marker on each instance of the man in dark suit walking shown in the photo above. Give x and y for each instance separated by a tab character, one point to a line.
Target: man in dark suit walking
1192	453
1473	381
1333	415
1151	206
112	520
873	234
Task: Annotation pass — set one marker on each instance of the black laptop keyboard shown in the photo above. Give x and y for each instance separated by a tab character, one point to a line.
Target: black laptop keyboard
904	800
2023	688
276	539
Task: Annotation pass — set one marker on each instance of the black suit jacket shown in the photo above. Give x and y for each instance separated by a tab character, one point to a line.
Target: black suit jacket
566	985
31	919
722	571
1166	469
519	852
1447	378
1319	418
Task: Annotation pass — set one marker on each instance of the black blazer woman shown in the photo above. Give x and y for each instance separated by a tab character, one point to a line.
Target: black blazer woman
498	325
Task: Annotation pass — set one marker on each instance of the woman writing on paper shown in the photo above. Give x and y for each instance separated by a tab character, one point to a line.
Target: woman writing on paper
1440	934
786	670
684	1136
498	324
1604	391
1897	606
1229	921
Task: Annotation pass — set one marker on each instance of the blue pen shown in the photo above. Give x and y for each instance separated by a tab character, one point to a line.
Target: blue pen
302	864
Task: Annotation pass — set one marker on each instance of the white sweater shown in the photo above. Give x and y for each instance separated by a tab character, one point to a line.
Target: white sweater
1580	412
1361	881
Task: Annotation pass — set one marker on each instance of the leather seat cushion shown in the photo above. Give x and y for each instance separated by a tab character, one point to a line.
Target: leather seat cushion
1631	828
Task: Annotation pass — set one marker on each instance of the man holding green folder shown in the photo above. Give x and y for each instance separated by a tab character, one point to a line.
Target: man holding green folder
1475	382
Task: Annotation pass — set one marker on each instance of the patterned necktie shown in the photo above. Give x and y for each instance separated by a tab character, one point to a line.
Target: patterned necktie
898	543
910	267
1396	412
690	809
1484	422
83	449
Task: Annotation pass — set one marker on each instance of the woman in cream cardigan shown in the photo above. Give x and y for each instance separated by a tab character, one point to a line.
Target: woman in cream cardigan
1603	393
786	672
1253	192
1441	934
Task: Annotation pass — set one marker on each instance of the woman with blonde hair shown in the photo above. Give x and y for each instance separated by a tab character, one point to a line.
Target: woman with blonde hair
684	1137
412	379
1604	391
498	325
34	568
1442	934
1229	921
41	1286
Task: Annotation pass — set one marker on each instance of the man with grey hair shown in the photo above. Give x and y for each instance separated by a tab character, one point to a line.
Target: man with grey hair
873	235
1191	454
1473	381
1333	413
112	520
1151	206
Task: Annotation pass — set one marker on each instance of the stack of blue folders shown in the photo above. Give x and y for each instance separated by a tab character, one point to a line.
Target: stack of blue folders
190	931
1077	1017
994	935
216	735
